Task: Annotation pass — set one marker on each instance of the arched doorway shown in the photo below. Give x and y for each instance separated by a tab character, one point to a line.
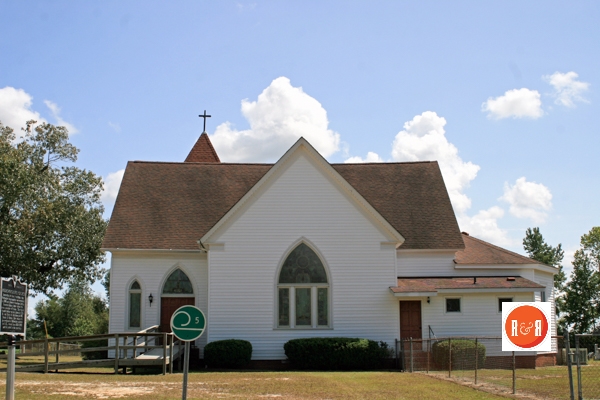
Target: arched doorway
177	291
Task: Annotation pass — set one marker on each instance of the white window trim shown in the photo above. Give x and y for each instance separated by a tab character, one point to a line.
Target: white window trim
453	298
512	299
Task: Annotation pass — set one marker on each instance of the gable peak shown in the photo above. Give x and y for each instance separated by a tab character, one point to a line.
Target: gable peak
203	151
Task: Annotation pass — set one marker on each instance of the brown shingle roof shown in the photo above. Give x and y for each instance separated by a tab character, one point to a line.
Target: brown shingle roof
172	205
412	197
408	285
477	251
203	151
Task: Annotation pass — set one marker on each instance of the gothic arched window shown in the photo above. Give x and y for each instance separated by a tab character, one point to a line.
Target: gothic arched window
303	291
135	305
178	283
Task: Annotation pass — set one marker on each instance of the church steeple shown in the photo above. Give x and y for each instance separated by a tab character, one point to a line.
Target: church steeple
203	150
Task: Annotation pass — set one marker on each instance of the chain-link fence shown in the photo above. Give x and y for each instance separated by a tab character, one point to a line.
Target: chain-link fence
585	364
481	361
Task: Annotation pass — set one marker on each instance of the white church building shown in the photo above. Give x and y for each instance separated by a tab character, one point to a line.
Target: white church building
305	248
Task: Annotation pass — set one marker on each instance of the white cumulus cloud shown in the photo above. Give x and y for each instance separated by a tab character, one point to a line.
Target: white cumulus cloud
280	116
528	200
484	225
112	183
567	89
15	108
515	103
371	157
423	139
55	110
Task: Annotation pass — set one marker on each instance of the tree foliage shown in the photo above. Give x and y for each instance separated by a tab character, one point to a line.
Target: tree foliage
582	292
51	224
78	313
537	248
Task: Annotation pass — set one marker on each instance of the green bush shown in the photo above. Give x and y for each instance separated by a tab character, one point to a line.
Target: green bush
230	353
463	354
336	353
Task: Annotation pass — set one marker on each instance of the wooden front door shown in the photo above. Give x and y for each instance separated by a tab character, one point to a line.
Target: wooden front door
410	319
168	305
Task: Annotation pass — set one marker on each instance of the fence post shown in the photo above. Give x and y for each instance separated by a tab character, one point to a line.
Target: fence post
164	353
449	358
411	356
476	359
579	389
171	355
514	374
428	350
46	351
396	352
117	351
569	364
57	348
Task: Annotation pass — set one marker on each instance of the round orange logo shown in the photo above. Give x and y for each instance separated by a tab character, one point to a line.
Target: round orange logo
526	326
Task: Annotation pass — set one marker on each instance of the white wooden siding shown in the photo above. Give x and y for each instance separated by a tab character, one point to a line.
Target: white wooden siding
479	316
426	263
299	203
547	279
151	269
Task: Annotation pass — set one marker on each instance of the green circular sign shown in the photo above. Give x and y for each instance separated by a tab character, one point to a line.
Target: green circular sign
188	323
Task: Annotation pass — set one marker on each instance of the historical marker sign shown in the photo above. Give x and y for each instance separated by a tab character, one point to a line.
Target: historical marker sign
13	306
188	323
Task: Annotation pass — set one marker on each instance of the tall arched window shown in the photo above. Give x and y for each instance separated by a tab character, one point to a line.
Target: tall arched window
135	305
303	291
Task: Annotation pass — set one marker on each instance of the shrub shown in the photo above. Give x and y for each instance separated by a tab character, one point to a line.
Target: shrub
463	354
336	353
230	353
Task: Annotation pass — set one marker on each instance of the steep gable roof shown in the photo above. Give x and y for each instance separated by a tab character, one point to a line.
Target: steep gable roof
303	148
173	205
479	252
412	197
203	151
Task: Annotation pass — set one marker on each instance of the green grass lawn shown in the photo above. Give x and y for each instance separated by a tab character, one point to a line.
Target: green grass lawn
545	382
242	385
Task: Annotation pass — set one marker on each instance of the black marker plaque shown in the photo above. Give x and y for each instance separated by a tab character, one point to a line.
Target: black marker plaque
13	306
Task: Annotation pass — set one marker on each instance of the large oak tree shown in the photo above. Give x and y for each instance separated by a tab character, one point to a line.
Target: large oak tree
51	224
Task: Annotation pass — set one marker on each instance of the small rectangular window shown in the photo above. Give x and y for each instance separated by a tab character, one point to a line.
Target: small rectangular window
284	307
543	296
452	305
503	300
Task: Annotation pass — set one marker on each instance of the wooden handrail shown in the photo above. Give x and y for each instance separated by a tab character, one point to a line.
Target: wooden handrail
85	338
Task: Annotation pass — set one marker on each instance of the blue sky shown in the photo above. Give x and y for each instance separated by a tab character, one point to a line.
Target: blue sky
502	94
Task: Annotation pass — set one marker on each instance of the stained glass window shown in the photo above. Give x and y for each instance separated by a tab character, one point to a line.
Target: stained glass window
284	307
178	283
135	305
322	307
303	266
303	291
303	316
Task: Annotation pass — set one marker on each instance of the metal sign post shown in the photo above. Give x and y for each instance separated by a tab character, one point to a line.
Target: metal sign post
13	321
188	324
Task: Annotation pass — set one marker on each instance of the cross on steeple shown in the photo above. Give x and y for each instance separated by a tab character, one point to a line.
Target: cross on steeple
204	116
